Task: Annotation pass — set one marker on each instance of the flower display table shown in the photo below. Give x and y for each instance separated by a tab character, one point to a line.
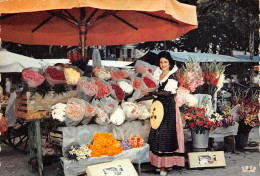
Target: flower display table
136	155
84	135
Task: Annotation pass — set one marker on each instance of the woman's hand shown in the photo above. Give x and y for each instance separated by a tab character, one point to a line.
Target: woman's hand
145	93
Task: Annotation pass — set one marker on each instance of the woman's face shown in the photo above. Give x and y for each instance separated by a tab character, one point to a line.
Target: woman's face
164	64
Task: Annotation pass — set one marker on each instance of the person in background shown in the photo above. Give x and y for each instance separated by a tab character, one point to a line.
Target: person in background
8	85
167	141
59	64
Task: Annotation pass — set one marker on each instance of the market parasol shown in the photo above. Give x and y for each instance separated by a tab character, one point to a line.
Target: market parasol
94	22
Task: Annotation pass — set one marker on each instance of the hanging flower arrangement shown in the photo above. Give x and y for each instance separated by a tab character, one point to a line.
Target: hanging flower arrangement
105	144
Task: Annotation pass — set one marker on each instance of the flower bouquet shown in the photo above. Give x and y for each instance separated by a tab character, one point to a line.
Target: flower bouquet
224	120
143	67
126	86
196	120
213	74
190	76
136	141
249	108
148	83
118	116
102	87
101	73
55	75
75	110
116	74
77	153
85	86
117	92
33	76
104	144
72	75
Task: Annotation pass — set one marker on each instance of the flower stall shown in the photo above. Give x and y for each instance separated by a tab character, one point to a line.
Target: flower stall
96	119
93	119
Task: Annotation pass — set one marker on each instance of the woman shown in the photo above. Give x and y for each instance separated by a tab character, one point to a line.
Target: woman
167	141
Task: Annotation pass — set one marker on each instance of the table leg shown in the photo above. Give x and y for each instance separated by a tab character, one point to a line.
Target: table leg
233	144
139	169
39	146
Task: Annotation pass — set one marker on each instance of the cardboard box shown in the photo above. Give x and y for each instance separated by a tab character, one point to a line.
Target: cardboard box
121	167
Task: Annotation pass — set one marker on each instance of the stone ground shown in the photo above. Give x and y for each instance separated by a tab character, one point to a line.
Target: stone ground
13	163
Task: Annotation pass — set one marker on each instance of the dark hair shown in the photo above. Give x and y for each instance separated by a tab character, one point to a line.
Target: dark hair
167	56
59	64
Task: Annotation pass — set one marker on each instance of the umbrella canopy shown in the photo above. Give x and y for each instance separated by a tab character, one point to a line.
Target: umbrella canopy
11	62
151	57
102	22
202	57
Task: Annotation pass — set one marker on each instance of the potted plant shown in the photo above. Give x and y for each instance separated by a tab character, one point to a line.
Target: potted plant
199	125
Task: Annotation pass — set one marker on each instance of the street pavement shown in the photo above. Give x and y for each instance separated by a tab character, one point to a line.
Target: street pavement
13	163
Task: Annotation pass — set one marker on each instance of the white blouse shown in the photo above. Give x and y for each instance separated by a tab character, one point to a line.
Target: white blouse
172	84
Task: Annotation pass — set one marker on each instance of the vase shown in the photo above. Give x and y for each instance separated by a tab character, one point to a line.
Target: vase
243	134
200	141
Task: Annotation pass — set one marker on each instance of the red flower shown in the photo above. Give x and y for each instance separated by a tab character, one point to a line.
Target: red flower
192	125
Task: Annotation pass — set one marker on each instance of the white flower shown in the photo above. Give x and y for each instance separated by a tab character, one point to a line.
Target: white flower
118	116
126	87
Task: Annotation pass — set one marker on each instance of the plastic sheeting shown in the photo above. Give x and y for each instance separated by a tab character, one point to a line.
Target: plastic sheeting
136	155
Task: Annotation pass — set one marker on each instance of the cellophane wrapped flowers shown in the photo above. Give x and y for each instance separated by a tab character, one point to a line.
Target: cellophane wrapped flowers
102	89
72	75
126	86
119	93
131	110
81	152
101	73
136	141
86	86
105	144
118	116
75	109
33	76
59	112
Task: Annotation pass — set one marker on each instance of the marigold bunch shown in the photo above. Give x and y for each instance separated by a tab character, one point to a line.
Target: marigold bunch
105	144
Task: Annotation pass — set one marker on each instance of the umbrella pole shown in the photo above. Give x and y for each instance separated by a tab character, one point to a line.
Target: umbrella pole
82	38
